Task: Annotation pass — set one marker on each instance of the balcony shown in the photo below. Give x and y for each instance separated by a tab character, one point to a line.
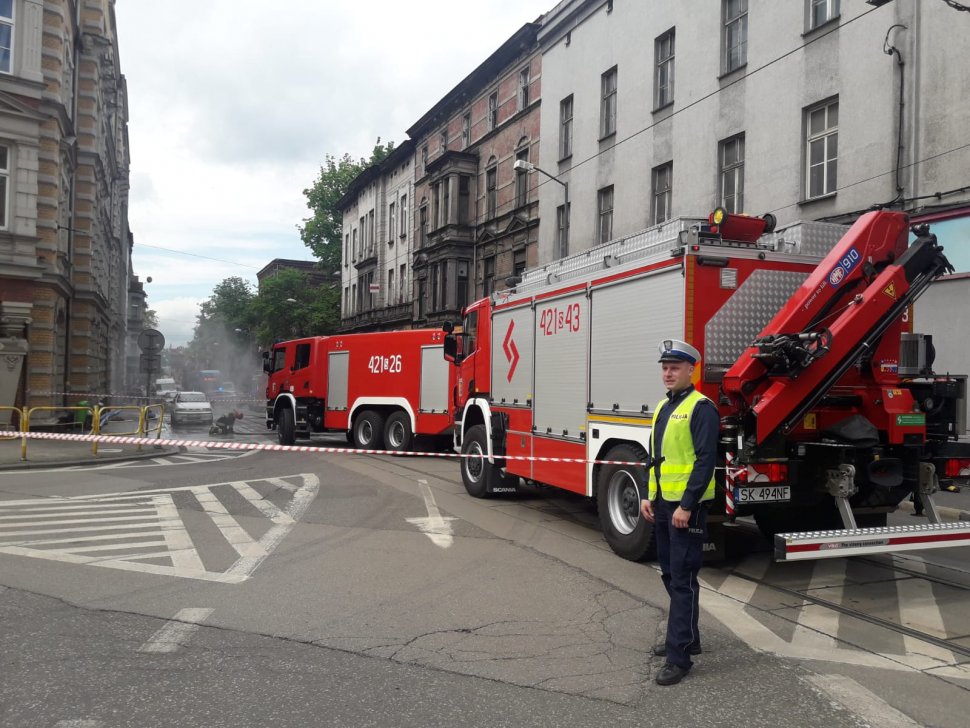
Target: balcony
387	317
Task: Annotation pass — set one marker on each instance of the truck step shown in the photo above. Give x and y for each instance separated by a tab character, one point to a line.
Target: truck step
858	541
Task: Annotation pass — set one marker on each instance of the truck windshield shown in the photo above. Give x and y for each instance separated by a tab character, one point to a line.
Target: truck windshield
279	357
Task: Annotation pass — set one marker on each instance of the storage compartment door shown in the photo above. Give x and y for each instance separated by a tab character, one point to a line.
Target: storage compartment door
434	379
562	340
337	380
513	336
629	320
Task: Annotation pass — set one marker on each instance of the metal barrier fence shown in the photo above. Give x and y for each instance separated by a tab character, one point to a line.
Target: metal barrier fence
88	419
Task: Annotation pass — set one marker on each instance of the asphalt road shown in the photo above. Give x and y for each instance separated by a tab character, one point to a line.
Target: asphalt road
218	588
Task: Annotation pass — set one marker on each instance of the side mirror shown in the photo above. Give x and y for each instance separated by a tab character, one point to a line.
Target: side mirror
447	327
452	349
267	363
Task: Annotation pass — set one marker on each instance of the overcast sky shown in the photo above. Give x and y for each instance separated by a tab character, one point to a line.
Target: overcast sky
234	105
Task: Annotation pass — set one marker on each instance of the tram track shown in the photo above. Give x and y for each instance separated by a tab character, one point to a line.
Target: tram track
889	625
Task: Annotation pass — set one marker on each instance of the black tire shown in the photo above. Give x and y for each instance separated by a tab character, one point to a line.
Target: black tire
369	430
397	432
286	427
480	477
619	490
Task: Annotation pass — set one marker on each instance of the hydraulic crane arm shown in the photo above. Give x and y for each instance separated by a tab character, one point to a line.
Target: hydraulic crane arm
858	291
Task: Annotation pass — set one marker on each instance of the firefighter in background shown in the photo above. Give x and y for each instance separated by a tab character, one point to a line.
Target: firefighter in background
683	445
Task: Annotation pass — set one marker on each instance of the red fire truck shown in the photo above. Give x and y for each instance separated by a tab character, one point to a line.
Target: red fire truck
382	389
824	428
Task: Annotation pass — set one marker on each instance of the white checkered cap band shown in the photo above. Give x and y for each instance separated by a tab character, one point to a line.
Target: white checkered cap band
673	349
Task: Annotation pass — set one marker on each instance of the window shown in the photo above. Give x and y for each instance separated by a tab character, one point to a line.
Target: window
470	329
822	149
371	232
488	276
604	214
302	360
391	222
518	262
404	216
402	281
346	250
821	11
279	359
662	192
424	158
423	230
490	192
443	141
521	179
566	127
665	69
422	298
493	110
464	199
6	36
730	162
354	233
735	34
562	231
363	237
462	287
608	103
390	285
466	130
523	88
434	287
444	284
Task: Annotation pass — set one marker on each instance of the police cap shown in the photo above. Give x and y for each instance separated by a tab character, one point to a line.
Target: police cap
674	350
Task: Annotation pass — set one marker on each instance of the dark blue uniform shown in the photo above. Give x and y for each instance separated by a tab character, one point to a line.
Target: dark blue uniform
680	551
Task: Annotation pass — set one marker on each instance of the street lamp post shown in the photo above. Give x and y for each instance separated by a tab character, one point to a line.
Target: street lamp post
522	165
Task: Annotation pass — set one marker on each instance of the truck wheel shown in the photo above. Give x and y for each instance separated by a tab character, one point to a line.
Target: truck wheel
475	470
618	493
397	432
286	427
480	477
369	430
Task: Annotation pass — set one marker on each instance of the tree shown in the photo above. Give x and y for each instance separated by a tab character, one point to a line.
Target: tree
221	339
321	232
288	307
151	319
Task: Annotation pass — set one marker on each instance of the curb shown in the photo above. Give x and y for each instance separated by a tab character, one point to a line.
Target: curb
93	460
950	514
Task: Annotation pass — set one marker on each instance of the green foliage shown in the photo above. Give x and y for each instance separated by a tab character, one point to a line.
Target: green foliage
321	232
151	319
288	307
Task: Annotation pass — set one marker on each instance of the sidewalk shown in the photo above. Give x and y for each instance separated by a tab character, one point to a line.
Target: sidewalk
54	454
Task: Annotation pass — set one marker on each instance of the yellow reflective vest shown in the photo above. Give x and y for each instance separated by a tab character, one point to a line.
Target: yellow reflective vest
678	452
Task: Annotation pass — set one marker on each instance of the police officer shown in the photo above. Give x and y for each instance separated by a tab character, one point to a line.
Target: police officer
680	482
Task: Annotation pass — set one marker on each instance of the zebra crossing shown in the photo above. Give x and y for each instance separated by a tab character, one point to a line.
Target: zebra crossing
192	456
855	612
151	531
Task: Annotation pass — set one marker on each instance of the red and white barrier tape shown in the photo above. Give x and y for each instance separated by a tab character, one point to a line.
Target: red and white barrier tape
217	444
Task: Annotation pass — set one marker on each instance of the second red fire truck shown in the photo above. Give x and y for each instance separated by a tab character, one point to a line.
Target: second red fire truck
381	389
827	422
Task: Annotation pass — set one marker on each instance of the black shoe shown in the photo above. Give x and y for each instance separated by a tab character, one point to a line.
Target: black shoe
660	649
671	674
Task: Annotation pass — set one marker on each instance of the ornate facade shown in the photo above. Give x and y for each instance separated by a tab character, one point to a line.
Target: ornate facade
64	238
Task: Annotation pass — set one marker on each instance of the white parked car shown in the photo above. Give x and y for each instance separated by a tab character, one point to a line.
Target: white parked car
191	408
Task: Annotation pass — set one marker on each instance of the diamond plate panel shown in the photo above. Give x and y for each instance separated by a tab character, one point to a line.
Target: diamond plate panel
743	316
813	239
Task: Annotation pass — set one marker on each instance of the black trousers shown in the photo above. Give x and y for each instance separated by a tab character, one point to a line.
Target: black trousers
680	552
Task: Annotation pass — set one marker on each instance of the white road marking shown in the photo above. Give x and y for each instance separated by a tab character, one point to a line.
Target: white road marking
83	534
271	539
861	702
919	610
198	455
434	525
79	723
176	633
817	623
